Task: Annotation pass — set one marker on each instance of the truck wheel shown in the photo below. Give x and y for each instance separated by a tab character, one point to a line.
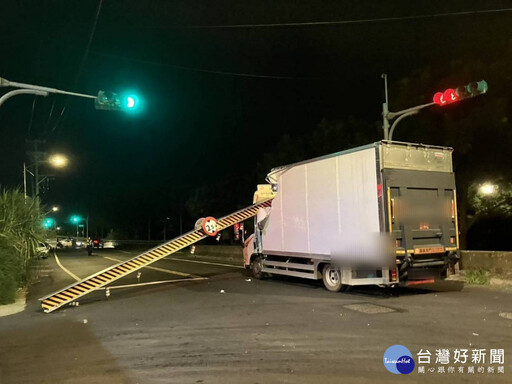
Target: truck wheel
257	267
331	277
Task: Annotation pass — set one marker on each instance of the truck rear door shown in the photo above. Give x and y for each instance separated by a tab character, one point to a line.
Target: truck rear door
421	198
421	215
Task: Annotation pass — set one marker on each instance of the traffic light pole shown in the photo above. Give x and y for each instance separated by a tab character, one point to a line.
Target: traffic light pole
104	100
388	116
449	96
401	115
35	89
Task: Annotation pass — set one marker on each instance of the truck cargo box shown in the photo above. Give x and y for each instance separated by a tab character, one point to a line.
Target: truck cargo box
340	205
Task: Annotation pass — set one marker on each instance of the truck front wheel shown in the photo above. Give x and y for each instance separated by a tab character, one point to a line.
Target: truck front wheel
331	276
257	268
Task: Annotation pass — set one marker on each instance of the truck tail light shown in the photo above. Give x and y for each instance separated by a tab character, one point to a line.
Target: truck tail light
453	209
393	274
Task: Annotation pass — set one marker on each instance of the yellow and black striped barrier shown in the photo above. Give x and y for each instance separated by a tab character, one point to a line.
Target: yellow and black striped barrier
76	290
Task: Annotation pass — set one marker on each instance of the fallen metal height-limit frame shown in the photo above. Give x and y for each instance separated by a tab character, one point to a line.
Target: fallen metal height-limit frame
105	277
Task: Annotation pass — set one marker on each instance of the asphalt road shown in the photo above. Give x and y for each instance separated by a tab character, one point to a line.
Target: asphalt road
226	328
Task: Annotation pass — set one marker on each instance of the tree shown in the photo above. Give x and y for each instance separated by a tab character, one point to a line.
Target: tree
20	232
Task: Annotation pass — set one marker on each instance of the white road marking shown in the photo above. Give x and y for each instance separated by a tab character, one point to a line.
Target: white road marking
65	269
157	269
129	253
151	283
204	262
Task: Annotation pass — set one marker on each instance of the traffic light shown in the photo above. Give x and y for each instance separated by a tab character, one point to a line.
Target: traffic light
131	102
451	95
48	222
75	219
110	101
107	101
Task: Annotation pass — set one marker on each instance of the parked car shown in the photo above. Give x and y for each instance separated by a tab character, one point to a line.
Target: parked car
65	243
97	243
53	244
42	250
109	244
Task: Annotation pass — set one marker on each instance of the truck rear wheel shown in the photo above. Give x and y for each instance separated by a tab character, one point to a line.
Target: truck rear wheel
331	277
257	268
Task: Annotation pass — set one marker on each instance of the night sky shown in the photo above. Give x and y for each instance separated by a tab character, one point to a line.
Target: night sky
216	99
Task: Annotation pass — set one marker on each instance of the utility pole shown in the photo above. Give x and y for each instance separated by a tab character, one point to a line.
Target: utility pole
385	108
36	168
25	181
36	156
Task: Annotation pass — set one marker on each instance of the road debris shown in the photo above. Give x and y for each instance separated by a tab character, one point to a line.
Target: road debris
506	315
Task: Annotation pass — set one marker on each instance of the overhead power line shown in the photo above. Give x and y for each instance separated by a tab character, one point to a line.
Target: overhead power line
341	22
192	69
82	62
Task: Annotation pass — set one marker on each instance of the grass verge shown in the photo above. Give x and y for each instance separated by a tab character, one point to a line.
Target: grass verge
477	277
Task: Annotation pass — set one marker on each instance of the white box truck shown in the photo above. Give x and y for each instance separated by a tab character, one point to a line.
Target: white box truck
384	214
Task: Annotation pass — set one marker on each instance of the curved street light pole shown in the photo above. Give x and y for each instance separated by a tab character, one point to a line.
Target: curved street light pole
390	138
32	87
387	116
22	92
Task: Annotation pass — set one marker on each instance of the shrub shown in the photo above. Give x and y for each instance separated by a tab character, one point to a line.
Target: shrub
476	276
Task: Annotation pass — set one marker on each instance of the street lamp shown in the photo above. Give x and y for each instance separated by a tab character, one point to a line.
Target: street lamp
165	227
488	189
55	160
58	160
55	208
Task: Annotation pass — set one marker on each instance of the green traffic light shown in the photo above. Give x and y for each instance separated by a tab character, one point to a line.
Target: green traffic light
48	222
130	102
110	101
75	219
477	87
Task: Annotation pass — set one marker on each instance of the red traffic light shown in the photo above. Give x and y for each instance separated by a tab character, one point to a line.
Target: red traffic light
447	97
439	99
460	93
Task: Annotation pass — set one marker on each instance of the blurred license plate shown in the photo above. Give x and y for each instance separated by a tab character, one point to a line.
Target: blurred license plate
424	250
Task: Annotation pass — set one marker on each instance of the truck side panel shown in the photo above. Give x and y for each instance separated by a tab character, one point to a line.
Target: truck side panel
323	212
320	205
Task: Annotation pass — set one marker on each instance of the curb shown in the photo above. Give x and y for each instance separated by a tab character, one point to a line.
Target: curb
496	282
18	306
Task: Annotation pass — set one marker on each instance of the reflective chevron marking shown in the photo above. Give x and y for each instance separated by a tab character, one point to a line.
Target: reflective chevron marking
81	288
158	269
